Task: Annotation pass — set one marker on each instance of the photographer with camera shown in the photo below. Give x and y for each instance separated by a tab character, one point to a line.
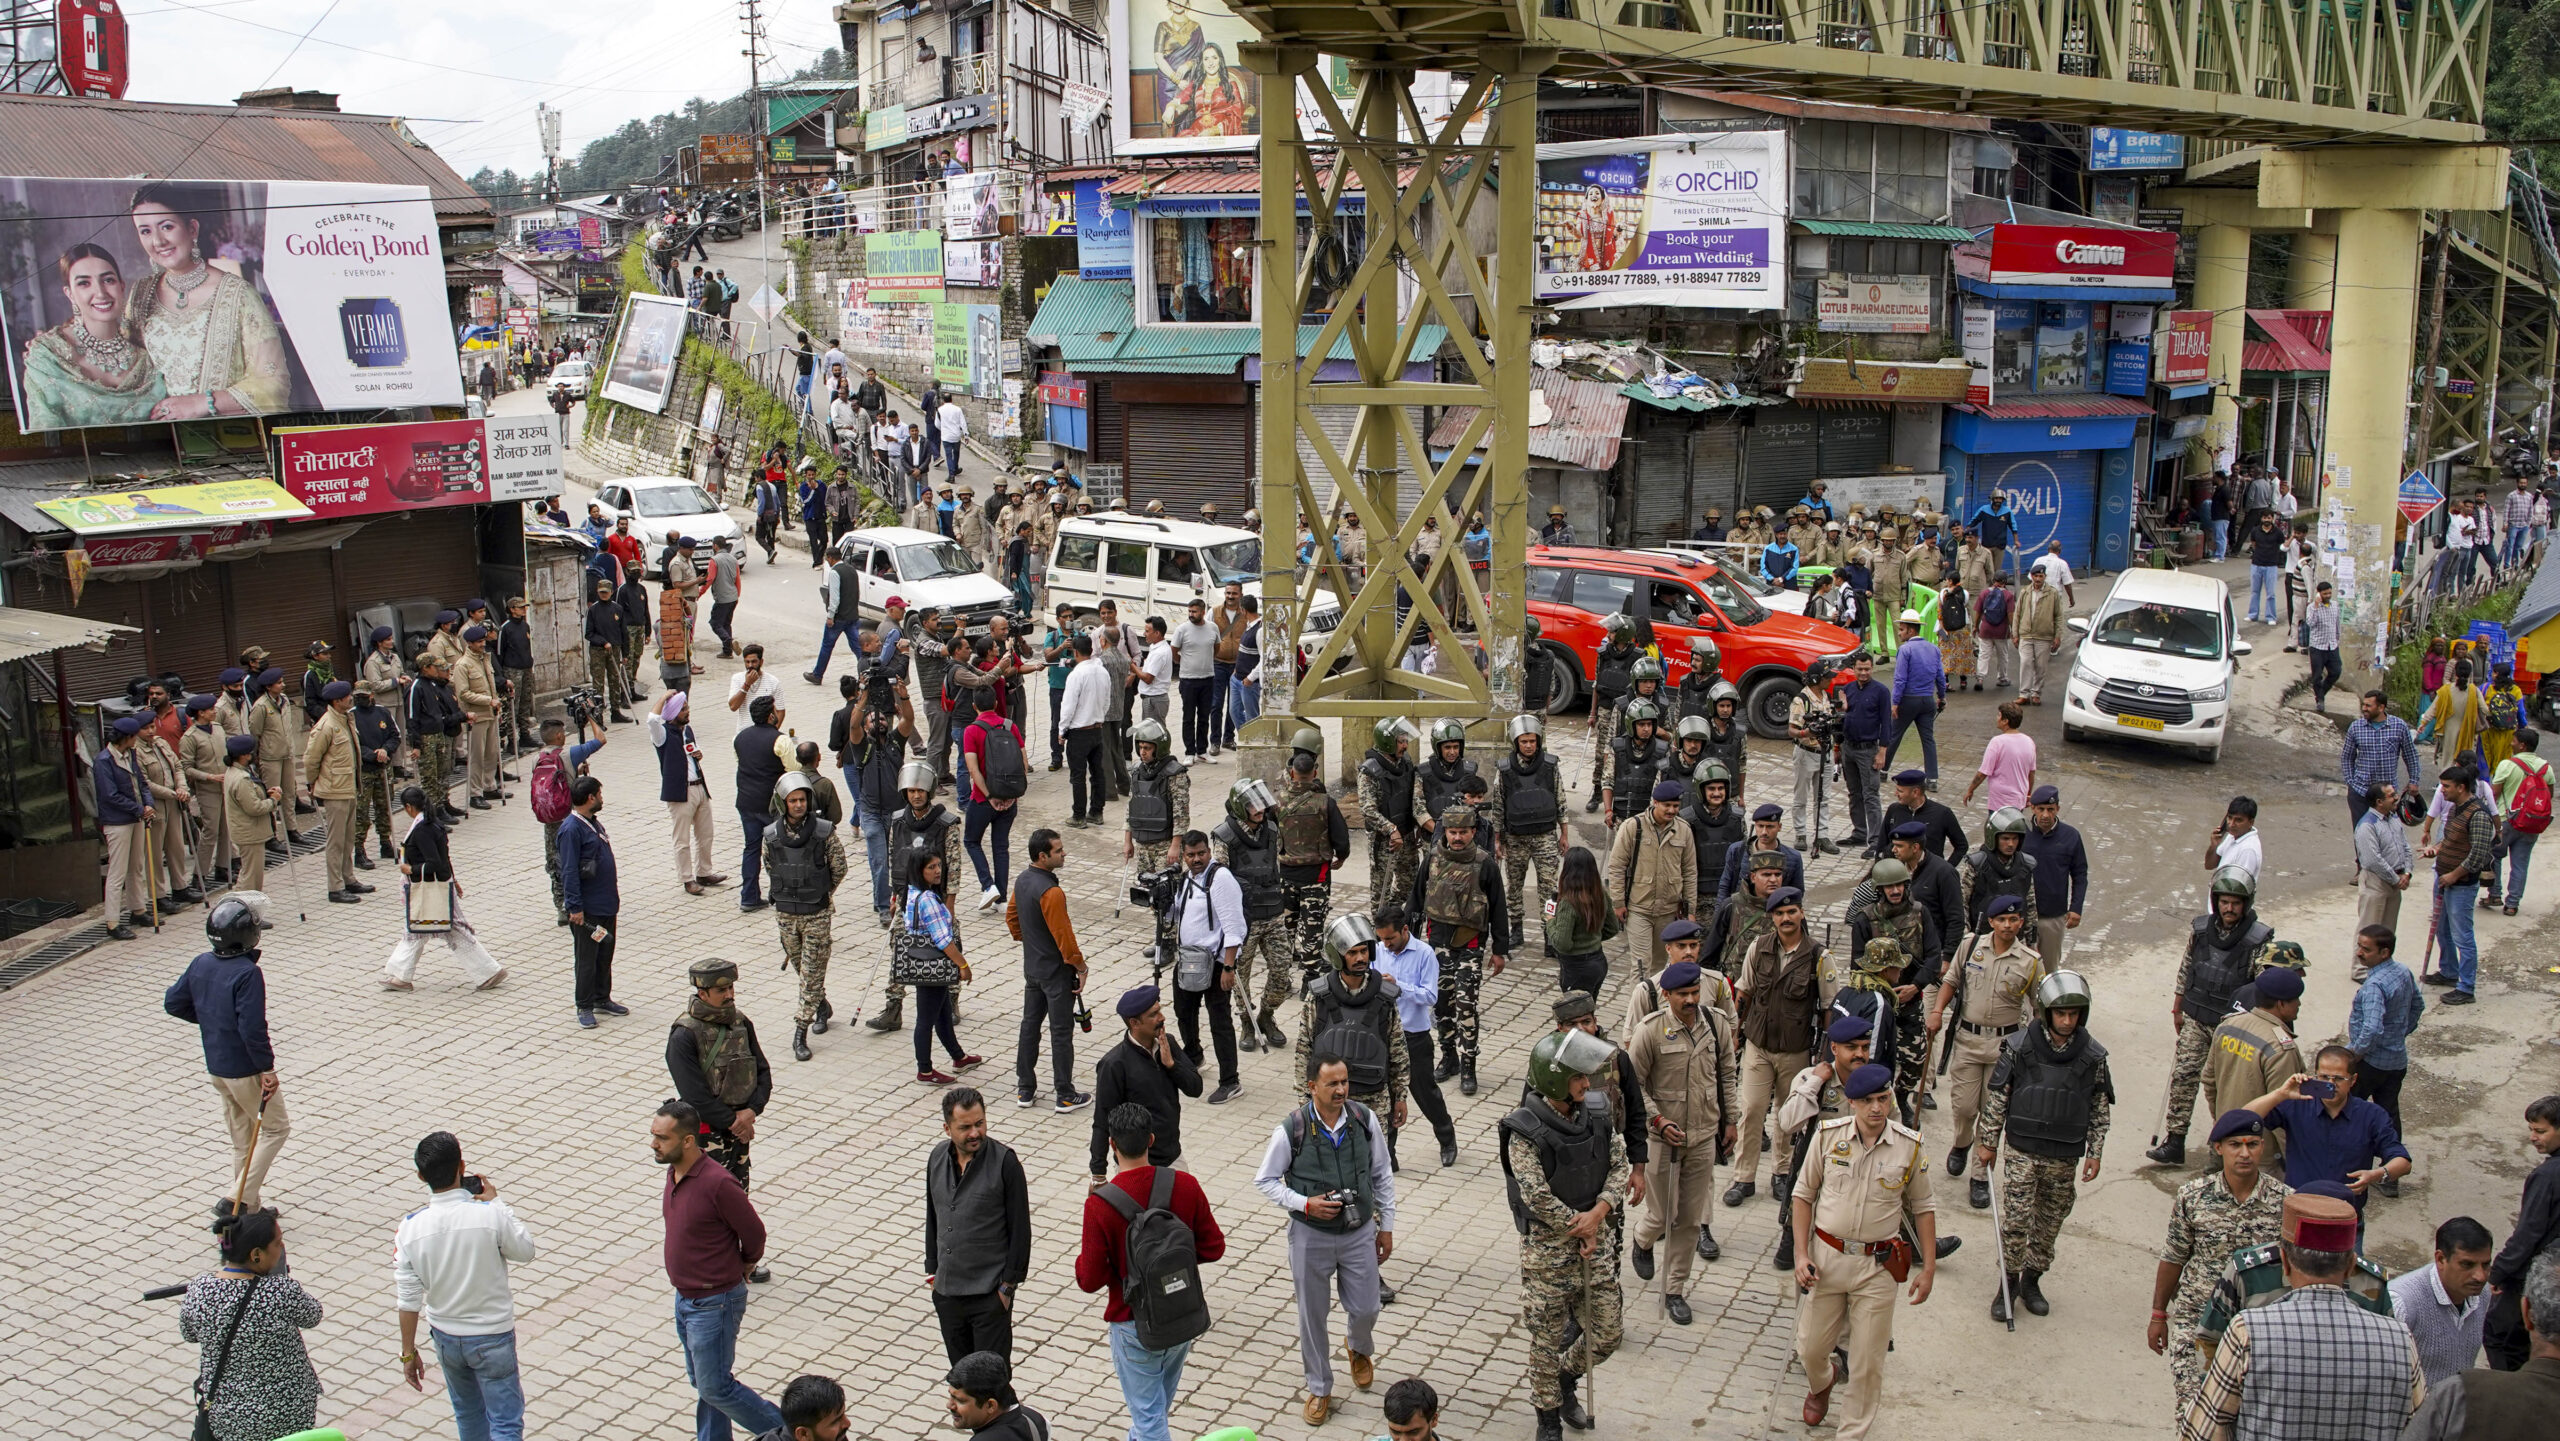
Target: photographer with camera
1813	723
1202	906
449	1267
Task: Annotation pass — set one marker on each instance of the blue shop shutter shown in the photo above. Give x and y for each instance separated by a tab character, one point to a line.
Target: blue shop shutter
2055	494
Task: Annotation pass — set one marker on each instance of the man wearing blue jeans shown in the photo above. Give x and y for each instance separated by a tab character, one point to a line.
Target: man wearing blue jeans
1148	1375
1244	690
713	1237
2266	568
2519	843
2464	852
840	605
1919	688
449	1265
873	752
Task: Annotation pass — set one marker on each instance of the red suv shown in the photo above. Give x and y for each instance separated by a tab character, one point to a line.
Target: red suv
1766	653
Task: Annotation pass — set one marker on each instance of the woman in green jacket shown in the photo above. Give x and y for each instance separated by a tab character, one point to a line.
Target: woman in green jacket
1580	922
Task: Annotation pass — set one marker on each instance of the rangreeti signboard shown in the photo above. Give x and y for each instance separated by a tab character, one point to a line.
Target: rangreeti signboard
127	302
340	470
2097	257
1686	220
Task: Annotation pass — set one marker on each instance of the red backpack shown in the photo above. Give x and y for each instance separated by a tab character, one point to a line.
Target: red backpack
550	789
2530	812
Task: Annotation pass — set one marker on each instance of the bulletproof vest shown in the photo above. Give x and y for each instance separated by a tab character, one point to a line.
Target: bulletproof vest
1444	786
1537	678
1623	727
876	773
727	1060
2215	969
1726	748
2015	876
1639	765
1902	923
1613	663
1749	924
1359	1026
1394	780
1573	1153
2051	1095
1453	895
1714	834
1151	800
909	834
1256	862
796	873
1306	835
1529	803
1693	697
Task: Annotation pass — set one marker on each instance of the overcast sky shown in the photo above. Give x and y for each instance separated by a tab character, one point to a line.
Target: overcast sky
602	62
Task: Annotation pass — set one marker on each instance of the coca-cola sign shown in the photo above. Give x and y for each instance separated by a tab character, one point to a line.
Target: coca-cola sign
168	548
2097	257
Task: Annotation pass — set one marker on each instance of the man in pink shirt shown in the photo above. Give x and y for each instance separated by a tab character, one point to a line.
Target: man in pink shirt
2008	767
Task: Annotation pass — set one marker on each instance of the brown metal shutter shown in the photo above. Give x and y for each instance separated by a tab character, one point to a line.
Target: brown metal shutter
187	634
1109	423
423	553
1715	468
88	675
1185	455
285	602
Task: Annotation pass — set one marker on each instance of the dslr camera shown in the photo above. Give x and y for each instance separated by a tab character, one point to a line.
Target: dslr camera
1156	890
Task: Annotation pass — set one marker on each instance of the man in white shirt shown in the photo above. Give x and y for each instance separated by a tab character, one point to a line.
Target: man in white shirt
1155	675
1195	658
2236	841
2057	571
1210	912
752	679
953	423
449	1264
1084	711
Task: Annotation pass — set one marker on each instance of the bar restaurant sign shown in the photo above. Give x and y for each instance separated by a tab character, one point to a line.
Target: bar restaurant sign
1884	380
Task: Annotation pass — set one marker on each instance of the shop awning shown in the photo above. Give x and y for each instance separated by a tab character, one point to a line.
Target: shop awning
2057	407
25	633
173	507
1884	230
2540	606
1586	420
1094	325
2190	392
1997	291
2296	342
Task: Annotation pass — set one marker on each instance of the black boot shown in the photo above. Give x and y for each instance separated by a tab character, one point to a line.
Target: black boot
1592	804
2171	1152
800	1042
1955	1160
363	862
1979	1194
1708	1250
1571	1411
889	1018
388	852
2000	1302
826	1014
2031	1295
1446	1069
1550	1425
1272	1038
1467	1079
1786	1258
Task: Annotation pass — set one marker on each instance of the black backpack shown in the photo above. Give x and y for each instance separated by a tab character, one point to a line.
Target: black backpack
1162	1278
1007	777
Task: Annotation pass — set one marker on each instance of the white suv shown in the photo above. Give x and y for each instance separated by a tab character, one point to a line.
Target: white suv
1149	565
924	568
2156	662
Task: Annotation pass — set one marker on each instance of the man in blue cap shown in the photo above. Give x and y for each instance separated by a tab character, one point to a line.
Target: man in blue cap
2214	1218
1988	990
1941	832
231	703
1847	1226
249	806
1652	871
331	756
1763	838
200	756
1684	1055
124	814
2254	1050
475	685
1781	1003
275	722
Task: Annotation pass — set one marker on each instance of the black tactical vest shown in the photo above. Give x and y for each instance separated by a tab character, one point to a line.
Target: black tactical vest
1359	1026
1151	801
1394	780
2015	876
2051	1095
909	833
1639	765
1529	800
1573	1153
1256	862
1612	665
2216	971
1444	786
1693	698
1537	677
796	873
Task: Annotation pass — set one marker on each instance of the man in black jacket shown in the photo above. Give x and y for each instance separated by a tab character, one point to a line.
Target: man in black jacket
1942	833
1147	1068
377	743
2537	1233
719	1069
637	613
2062	873
604	649
759	769
977	1229
435	718
515	674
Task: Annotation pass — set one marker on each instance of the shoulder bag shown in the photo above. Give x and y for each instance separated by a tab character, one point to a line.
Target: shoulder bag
430	907
919	962
221	1363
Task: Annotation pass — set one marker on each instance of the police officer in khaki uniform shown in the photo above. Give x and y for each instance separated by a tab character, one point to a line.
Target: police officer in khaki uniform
200	755
1684	1055
1989	990
1867	1175
2255	1050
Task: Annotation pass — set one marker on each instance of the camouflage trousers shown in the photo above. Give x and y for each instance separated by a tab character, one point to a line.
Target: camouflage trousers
1309	904
633	638
435	769
2036	1195
728	1150
1461	981
2186	1363
1558	1288
1151	856
1519	853
1911	1041
373	803
551	865
2195	1042
604	676
518	703
1391	870
807	941
1268	940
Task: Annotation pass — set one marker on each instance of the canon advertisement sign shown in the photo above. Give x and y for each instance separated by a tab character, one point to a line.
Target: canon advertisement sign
2097	257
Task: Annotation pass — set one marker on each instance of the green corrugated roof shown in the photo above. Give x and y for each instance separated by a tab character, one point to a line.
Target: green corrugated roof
1886	230
1077	308
1427	341
1094	325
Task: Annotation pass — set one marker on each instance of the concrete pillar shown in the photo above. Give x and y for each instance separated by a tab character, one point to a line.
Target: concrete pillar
2315	270
2222	286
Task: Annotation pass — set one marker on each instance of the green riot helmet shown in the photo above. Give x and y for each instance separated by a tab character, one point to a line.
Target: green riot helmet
1393	732
1645	669
1525	725
1531	629
711	971
1712	773
1889	872
1704	656
1247	796
1309	740
1562	1055
2008	821
2233	881
1725	690
1643	710
1151	732
1695	726
2062	991
1616	625
1345	934
1445	730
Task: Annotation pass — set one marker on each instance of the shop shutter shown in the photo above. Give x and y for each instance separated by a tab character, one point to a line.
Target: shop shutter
423	553
186	626
1715	469
1855	442
1782	456
2055	494
1659	509
1337	422
88	675
285	602
1185	455
1109	423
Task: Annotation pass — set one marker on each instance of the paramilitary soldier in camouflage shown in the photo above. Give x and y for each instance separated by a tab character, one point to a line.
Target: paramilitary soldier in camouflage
2255	1277
1314	839
1893	913
1696	696
1247	842
803	864
1989	991
1637	760
1688	752
1441	780
1612	678
2003	866
1743	917
1458	894
1528	812
1159	798
719	1069
2050	1100
1386	807
1726	733
1615	1083
1351	1012
1537	671
2215	1217
922	824
2225	949
1868	1180
1567	1172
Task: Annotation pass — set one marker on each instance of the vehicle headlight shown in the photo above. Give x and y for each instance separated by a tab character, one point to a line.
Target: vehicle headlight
2082	675
2211	693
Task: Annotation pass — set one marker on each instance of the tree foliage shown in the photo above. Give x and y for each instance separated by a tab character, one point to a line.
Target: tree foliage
634	154
2524	75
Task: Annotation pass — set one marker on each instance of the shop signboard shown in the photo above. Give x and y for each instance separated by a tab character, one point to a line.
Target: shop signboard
1687	220
1980	326
645	353
173	507
341	470
2113	149
1105	235
2182	349
1873	304
2091	256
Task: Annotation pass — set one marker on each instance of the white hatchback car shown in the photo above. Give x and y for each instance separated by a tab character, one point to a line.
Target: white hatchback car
573	374
663	507
2156	662
924	568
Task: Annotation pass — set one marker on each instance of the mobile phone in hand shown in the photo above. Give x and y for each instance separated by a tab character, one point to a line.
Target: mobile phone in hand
2318	1090
473	1184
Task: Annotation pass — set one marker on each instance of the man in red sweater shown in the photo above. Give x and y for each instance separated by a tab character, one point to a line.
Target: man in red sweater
1148	1378
713	1238
624	546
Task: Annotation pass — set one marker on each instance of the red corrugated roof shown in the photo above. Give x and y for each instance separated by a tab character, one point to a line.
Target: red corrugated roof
2293	341
1586	421
2057	407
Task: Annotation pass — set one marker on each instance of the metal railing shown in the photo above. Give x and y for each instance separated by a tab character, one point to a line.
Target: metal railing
918	205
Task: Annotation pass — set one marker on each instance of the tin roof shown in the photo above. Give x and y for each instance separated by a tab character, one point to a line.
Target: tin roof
1586	419
53	135
1887	230
25	633
2541	603
1093	323
2057	407
2296	341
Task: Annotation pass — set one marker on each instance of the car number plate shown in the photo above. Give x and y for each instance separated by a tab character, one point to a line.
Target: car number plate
2138	722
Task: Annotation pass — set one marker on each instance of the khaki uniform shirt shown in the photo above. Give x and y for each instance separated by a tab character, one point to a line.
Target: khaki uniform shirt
1996	984
1689	1071
2252	1054
475	684
329	757
161	770
444	645
1925	563
1654	868
2035	613
379	677
1861	1191
1975	568
245	801
200	752
271	721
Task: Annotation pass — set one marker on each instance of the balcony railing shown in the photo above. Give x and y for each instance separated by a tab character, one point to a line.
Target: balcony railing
918	205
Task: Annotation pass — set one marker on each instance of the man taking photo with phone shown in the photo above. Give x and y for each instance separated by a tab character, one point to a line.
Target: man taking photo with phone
449	1264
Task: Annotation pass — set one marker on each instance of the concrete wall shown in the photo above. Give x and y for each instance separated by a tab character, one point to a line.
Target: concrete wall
624	441
901	342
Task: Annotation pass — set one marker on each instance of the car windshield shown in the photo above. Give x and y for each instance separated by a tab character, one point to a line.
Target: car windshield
568	368
1236	560
2162	629
935	561
1738	605
665	500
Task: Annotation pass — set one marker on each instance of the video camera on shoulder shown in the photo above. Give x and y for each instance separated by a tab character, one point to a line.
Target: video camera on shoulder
1156	890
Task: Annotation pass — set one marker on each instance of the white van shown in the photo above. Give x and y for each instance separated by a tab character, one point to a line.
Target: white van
1150	565
2156	662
